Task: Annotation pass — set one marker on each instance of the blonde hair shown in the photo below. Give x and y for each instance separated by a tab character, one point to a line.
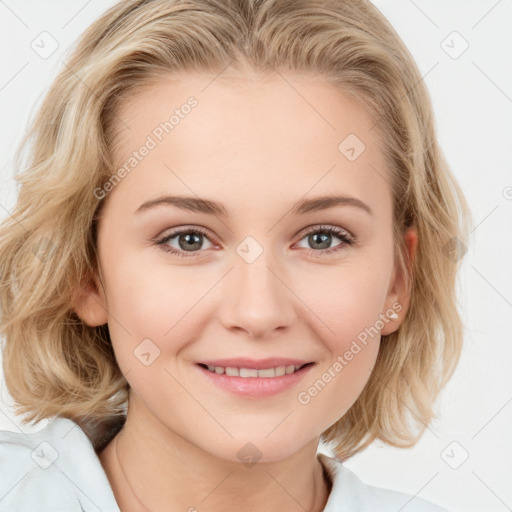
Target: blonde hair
54	364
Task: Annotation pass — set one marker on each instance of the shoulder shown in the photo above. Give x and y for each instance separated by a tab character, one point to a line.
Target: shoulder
350	494
55	469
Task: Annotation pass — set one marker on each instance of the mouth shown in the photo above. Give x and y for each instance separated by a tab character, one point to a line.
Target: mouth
253	383
272	372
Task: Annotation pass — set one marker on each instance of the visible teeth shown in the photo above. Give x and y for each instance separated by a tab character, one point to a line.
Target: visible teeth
280	370
269	372
245	372
252	372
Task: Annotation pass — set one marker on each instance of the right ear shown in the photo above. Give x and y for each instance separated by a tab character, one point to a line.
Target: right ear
90	303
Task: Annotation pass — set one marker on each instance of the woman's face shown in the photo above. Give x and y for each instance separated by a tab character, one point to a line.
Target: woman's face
243	171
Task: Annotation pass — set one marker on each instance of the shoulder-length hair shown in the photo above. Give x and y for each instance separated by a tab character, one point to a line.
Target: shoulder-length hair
54	364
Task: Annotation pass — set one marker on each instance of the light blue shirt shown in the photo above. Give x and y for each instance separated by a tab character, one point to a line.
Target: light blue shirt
57	470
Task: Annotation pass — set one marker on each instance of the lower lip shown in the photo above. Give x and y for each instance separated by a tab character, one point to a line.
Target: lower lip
256	387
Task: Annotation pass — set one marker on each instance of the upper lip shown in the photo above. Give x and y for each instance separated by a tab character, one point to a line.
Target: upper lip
258	364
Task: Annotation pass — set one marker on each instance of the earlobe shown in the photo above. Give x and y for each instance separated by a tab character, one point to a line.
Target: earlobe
90	304
399	296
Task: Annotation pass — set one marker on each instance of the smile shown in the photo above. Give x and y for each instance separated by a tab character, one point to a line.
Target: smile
254	383
278	371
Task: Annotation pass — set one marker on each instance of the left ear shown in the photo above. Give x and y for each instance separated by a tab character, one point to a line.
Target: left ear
398	293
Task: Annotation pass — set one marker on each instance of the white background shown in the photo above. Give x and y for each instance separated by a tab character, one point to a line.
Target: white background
472	96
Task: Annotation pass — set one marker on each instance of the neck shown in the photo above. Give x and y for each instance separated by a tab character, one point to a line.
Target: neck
152	468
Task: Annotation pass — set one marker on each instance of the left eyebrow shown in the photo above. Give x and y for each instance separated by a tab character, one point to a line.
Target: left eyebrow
324	202
209	207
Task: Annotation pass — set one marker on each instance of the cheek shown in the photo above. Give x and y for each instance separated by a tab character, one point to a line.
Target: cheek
351	334
345	306
155	302
338	383
346	301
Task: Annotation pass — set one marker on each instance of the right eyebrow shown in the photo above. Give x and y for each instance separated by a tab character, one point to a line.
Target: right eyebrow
187	203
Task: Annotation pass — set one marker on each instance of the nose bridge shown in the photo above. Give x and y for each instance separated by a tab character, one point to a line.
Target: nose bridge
257	300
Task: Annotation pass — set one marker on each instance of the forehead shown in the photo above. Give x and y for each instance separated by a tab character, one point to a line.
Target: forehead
256	133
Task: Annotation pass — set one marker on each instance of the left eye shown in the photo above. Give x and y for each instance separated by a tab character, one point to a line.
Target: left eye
324	235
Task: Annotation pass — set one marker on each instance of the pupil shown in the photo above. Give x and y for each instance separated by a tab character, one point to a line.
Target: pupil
192	241
325	239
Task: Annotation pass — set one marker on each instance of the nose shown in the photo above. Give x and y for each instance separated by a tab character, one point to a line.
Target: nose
257	298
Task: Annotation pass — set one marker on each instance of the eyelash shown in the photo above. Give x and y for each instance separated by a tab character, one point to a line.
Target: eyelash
345	236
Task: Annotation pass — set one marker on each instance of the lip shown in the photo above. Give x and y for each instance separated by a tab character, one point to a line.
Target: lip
257	364
255	387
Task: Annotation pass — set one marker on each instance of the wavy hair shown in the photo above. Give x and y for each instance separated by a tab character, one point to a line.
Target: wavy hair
54	364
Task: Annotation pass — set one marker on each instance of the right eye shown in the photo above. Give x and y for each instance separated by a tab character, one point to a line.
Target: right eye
189	240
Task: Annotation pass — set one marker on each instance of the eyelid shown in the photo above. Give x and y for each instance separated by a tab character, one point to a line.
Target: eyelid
329	228
174	232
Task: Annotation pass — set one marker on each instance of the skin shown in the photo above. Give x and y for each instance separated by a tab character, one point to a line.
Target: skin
257	146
